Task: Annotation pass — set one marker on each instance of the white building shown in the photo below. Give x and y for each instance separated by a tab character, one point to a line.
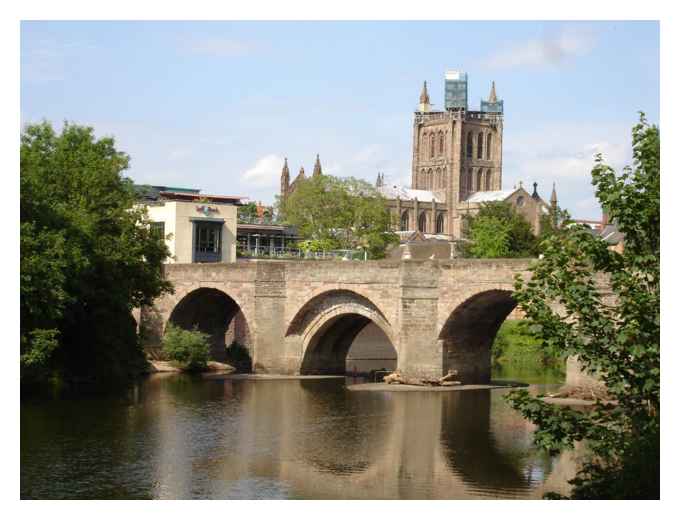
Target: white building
197	227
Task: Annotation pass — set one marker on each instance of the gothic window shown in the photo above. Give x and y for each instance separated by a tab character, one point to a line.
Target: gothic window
423	147
441	143
480	184
488	146
429	179
444	178
468	153
431	146
404	221
422	222
440	223
480	145
469	180
438	180
488	180
422	180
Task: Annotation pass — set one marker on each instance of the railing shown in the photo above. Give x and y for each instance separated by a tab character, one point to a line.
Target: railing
299	254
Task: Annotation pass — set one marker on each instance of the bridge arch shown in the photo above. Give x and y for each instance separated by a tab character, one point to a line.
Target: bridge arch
469	332
329	323
217	314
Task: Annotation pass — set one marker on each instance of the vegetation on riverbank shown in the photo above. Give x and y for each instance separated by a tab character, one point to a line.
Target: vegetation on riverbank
88	258
516	348
615	338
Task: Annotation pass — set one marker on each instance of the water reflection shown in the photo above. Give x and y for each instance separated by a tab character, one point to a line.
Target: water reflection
187	437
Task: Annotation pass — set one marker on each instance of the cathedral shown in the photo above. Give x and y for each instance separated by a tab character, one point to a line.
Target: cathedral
457	166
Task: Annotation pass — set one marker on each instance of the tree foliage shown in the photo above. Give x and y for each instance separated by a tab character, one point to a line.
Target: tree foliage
340	214
499	231
88	256
615	337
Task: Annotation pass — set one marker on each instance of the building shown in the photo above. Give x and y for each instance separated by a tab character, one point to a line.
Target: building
457	166
197	227
287	187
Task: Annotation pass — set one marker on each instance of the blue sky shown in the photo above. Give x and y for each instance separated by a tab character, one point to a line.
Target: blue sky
217	105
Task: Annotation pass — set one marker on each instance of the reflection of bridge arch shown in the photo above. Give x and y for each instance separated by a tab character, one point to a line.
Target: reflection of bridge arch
215	313
328	325
469	331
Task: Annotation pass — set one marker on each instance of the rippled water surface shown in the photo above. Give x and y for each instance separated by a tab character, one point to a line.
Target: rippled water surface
176	436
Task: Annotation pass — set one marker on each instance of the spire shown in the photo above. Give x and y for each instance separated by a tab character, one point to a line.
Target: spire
424	96
317	167
301	175
285	178
492	94
380	181
553	197
534	195
285	172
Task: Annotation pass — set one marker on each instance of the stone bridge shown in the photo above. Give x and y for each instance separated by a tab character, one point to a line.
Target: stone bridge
301	317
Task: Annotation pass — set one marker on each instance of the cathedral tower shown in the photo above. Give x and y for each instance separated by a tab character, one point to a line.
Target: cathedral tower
458	152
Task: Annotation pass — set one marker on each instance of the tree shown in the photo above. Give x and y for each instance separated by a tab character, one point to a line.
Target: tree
88	256
616	338
341	214
497	231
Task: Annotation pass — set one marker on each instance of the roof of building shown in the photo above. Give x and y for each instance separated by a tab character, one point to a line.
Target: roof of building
392	192
177	195
490	196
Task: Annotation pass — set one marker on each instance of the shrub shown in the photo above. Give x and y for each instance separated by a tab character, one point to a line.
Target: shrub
190	348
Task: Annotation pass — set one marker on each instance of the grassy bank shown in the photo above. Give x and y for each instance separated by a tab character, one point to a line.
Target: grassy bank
516	351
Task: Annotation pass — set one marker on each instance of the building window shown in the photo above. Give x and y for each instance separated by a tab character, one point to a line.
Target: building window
488	180
469	146
404	221
520	201
440	223
438	179
480	145
431	146
480	182
422	222
488	146
158	229
444	178
441	143
207	241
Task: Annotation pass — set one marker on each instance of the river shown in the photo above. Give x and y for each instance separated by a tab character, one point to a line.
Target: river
179	437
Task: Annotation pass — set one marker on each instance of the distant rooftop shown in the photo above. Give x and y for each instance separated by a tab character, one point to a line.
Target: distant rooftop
392	192
490	196
155	193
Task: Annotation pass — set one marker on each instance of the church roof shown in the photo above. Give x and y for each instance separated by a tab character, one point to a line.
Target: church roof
393	191
490	196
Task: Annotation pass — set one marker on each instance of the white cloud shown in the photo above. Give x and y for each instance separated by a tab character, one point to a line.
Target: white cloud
222	47
551	50
265	173
565	154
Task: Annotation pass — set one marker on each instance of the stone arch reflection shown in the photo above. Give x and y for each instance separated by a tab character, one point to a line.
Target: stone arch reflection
489	456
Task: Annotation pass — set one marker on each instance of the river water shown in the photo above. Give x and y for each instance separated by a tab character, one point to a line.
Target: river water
178	437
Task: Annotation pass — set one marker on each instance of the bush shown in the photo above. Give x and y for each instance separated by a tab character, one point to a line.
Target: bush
190	348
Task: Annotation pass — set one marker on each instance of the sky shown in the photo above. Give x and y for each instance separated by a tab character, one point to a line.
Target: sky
218	105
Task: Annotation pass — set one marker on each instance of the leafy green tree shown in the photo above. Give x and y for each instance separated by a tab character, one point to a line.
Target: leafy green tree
189	348
341	214
498	230
490	238
247	212
615	338
88	256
